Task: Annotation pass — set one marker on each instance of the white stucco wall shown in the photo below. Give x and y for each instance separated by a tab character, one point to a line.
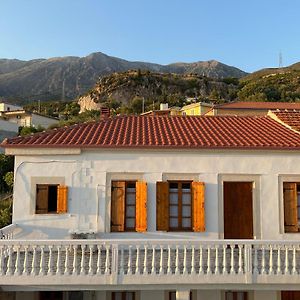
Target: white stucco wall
45	122
8	126
89	174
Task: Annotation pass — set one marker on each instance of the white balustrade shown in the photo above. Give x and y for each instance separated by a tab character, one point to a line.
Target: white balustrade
198	259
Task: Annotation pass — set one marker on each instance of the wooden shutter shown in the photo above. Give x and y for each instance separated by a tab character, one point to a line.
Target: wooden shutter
290	207
141	207
162	206
118	206
62	199
198	207
42	198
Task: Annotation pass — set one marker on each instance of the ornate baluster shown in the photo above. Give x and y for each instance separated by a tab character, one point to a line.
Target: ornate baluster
91	260
177	271
294	271
145	272
263	260
201	260
255	263
232	259
129	267
271	271
99	260
26	266
278	260
42	261
193	261
184	271
1	261
17	263
74	271
224	270
33	261
161	271
58	263
9	270
82	265
217	260
240	269
67	249
208	261
107	265
153	271
169	270
286	261
137	262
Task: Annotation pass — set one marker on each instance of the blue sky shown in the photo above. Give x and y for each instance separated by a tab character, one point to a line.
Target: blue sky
247	34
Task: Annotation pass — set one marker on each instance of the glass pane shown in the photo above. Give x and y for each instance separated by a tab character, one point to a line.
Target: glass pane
173	211
186	198
174	198
186	222
130	211
173	185
130	198
186	211
117	296
173	222
130	223
186	186
129	296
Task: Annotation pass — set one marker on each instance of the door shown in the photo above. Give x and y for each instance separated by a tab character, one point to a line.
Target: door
290	295
238	210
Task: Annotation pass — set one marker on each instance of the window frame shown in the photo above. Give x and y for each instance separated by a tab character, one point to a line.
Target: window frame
129	229
180	205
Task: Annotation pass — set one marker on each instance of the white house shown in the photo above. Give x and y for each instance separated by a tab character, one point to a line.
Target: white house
155	207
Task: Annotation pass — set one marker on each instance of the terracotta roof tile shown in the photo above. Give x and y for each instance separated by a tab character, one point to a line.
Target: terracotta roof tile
259	105
216	132
289	117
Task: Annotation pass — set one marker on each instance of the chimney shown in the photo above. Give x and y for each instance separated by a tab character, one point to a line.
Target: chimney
104	113
164	106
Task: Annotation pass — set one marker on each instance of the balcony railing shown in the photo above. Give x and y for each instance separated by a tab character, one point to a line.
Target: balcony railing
148	262
7	232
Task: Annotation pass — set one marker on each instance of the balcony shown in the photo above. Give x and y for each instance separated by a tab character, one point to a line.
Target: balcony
140	262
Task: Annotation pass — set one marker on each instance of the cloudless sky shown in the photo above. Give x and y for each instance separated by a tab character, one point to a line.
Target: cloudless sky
248	34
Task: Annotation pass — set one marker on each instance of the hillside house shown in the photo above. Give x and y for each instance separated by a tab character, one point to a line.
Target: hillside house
196	109
155	207
250	108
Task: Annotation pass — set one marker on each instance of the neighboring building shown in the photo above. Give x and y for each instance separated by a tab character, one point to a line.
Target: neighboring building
196	109
155	207
8	107
24	118
289	118
164	110
251	108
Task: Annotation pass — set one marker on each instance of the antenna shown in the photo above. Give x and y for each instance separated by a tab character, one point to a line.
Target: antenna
280	60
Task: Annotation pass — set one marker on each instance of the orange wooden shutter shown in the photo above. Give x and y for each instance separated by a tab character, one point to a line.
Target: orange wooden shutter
42	198
162	206
141	206
118	206
62	199
290	207
198	207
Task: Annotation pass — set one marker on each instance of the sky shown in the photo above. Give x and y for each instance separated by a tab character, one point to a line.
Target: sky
248	34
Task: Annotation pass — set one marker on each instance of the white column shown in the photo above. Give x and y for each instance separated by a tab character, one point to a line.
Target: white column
183	295
266	295
150	295
209	294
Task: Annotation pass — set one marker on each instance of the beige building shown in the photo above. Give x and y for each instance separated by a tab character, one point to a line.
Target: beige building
196	109
250	108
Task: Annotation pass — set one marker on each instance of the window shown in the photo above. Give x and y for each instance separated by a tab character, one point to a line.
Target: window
51	198
123	296
236	296
172	295
128	206
180	206
291	202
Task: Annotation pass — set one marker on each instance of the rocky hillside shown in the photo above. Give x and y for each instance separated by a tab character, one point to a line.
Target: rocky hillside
65	78
129	88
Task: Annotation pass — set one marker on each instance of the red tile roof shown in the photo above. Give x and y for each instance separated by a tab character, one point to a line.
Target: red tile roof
192	132
288	117
259	105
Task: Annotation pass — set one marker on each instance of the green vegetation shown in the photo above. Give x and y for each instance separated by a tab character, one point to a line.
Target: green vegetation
5	212
29	130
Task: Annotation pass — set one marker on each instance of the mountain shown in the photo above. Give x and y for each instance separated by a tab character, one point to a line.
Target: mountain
131	89
68	77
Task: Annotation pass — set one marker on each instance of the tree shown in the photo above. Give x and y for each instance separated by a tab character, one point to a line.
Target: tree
29	130
9	180
6	165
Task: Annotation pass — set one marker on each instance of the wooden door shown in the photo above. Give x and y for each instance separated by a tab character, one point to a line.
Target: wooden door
290	295
238	210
